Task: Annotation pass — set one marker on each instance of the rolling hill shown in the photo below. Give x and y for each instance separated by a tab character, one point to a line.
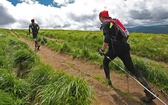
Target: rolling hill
157	29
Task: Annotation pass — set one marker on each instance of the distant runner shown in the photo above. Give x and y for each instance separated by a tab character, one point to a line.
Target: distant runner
34	27
115	38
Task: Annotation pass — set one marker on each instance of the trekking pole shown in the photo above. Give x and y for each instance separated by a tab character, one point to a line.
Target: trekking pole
136	80
127	83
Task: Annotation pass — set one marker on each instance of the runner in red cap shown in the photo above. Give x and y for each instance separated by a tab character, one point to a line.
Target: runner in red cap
104	14
34	28
117	47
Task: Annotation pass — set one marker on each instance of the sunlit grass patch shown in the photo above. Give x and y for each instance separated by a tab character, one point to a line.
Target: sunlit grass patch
27	90
65	90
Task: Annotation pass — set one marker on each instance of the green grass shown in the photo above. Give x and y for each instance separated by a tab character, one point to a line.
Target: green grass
149	51
85	44
151	46
66	90
35	78
6	99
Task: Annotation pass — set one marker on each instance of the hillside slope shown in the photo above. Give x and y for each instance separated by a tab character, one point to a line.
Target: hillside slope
157	29
104	95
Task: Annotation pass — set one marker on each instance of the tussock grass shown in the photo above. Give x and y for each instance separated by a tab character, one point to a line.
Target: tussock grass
23	60
21	88
50	88
30	89
65	48
40	75
85	44
155	76
151	46
6	80
6	99
15	89
66	90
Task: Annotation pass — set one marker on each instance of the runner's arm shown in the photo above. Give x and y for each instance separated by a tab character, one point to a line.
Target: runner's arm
29	29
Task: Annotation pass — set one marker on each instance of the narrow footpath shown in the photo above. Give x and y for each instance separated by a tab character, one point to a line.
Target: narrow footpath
104	95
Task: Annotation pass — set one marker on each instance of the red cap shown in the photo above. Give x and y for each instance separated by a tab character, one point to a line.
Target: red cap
104	14
32	20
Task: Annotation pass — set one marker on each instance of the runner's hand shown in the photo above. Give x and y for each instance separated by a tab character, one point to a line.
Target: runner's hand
101	52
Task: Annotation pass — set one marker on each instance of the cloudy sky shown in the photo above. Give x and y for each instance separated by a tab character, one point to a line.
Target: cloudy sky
81	14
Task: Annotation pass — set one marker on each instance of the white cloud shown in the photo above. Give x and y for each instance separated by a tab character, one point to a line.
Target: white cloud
63	2
82	14
29	1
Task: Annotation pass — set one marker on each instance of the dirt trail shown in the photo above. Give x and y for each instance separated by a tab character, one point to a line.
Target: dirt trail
104	94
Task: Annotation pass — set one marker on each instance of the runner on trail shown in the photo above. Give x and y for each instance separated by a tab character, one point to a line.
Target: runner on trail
118	48
34	27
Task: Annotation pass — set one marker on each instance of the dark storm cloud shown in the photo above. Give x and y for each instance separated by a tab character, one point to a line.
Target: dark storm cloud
144	14
25	23
5	17
81	18
155	16
71	16
160	14
85	21
66	25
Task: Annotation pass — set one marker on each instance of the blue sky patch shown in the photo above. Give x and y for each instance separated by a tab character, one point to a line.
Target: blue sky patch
14	2
44	2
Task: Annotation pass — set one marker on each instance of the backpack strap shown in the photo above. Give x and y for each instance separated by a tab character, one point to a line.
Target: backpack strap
121	30
113	22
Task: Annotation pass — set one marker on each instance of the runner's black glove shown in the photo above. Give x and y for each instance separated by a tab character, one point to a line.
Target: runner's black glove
101	52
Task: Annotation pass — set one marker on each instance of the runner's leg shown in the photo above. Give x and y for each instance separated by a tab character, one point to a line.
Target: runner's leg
129	65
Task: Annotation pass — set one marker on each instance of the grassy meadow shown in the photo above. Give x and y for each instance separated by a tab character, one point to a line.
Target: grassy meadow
24	80
26	75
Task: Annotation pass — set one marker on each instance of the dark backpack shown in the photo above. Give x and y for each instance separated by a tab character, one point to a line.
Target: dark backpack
34	27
